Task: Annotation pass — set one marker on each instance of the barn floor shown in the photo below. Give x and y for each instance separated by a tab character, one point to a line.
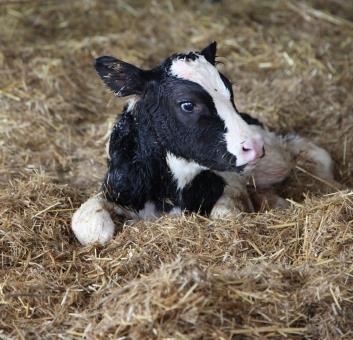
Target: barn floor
276	274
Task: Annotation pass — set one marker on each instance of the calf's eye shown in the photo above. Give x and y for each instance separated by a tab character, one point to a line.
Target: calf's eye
187	107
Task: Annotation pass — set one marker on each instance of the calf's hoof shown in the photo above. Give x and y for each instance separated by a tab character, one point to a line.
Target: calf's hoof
92	222
221	211
228	206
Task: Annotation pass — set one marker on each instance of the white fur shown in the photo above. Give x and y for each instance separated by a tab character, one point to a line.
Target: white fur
206	75
131	103
314	159
223	208
176	211
324	167
277	163
130	106
233	180
92	222
183	171
107	144
149	212
234	199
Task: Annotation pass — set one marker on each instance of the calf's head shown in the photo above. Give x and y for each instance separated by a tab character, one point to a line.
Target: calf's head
189	106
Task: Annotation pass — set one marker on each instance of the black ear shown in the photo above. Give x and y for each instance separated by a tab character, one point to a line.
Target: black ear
123	78
209	52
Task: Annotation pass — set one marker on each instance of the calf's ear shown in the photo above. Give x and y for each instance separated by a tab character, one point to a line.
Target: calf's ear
209	52
123	78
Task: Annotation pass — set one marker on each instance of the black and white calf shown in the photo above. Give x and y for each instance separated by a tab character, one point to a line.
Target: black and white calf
181	145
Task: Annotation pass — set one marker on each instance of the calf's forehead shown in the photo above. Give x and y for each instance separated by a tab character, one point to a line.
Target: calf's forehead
200	71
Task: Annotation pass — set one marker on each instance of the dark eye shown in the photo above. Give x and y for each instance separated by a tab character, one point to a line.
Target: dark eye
187	107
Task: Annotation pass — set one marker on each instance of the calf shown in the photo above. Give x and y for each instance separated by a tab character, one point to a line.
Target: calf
181	145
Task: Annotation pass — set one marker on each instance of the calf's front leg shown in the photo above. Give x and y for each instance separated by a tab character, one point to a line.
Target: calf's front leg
235	198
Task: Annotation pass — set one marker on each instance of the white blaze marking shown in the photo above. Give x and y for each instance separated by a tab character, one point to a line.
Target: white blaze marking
183	171
206	75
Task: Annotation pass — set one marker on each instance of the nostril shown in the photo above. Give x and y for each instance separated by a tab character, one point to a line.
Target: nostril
246	149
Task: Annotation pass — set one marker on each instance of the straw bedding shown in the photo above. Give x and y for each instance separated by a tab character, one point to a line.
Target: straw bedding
274	274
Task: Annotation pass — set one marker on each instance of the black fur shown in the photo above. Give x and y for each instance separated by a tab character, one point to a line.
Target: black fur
202	193
138	172
250	120
156	125
209	52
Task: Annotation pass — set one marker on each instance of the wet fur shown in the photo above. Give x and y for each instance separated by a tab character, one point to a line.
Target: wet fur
162	161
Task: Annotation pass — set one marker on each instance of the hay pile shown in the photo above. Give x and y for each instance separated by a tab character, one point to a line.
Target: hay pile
269	275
